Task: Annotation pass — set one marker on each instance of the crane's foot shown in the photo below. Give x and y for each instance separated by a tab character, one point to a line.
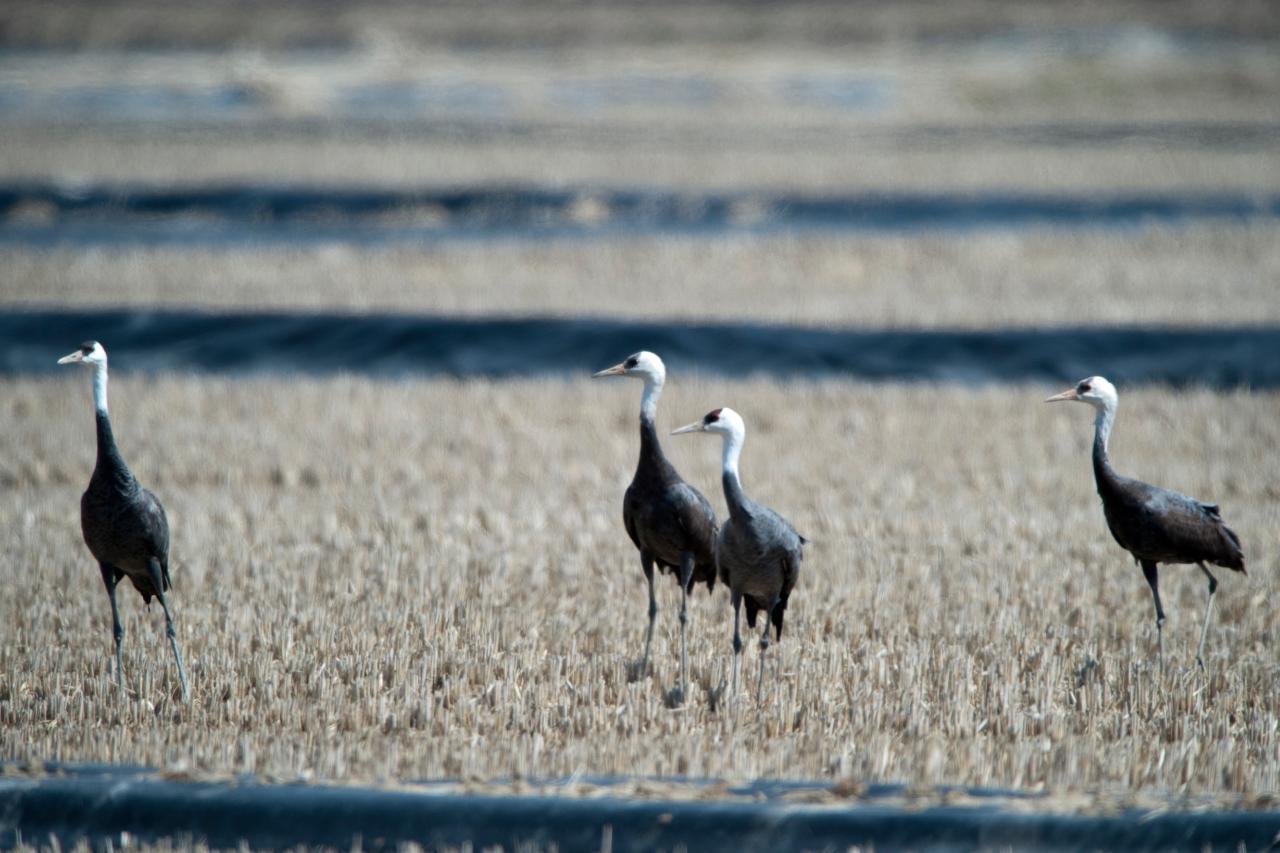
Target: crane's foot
637	670
715	694
674	698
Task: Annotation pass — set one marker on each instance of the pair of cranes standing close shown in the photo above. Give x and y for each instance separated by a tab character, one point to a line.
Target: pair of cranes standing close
755	552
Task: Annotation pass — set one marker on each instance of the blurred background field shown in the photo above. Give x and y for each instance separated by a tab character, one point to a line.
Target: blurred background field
815	96
429	577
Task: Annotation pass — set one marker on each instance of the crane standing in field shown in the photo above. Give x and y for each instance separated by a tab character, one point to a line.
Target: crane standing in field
758	551
1155	525
123	524
670	522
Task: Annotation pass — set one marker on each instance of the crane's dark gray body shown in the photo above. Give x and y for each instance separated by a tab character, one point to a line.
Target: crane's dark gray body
667	518
1161	526
759	555
124	525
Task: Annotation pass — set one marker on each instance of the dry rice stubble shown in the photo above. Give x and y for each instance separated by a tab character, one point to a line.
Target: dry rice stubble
445	589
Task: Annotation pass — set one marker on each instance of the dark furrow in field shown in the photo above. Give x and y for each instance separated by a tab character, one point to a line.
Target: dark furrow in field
99	807
405	344
51	215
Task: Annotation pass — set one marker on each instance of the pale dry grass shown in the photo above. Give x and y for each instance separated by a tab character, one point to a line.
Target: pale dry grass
816	162
1181	277
420	579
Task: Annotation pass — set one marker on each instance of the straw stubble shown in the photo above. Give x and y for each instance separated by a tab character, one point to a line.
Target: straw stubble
418	579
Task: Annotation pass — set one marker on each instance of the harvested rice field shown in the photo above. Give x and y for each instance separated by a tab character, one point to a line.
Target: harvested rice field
428	579
321	242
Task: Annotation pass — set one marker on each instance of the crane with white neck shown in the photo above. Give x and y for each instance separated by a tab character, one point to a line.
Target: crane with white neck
669	521
123	524
1155	525
758	552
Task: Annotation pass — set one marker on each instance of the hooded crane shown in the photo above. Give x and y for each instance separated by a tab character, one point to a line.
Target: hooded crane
1155	525
123	524
670	522
758	551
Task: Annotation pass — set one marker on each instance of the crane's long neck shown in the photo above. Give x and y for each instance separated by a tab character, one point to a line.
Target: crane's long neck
1102	470
650	447
649	400
109	463
734	496
100	388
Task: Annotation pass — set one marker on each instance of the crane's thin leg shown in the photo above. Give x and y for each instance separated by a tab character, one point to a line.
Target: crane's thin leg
157	578
764	646
737	638
109	577
686	579
1150	572
1208	608
639	672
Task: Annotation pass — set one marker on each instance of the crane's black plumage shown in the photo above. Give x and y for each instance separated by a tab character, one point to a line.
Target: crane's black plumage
123	524
667	518
670	522
1161	526
758	552
1155	525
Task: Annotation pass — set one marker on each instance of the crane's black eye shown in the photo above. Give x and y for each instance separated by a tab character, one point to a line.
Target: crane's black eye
87	347
631	362
1084	388
712	417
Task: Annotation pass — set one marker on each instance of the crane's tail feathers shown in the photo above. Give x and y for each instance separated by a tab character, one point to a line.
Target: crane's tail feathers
165	580
704	572
1235	556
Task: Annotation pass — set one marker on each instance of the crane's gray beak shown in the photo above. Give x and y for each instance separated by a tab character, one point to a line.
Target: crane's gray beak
71	357
618	369
1069	394
696	426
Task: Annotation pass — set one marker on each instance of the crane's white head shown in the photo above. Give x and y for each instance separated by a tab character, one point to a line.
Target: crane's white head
727	422
90	353
643	365
1096	391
